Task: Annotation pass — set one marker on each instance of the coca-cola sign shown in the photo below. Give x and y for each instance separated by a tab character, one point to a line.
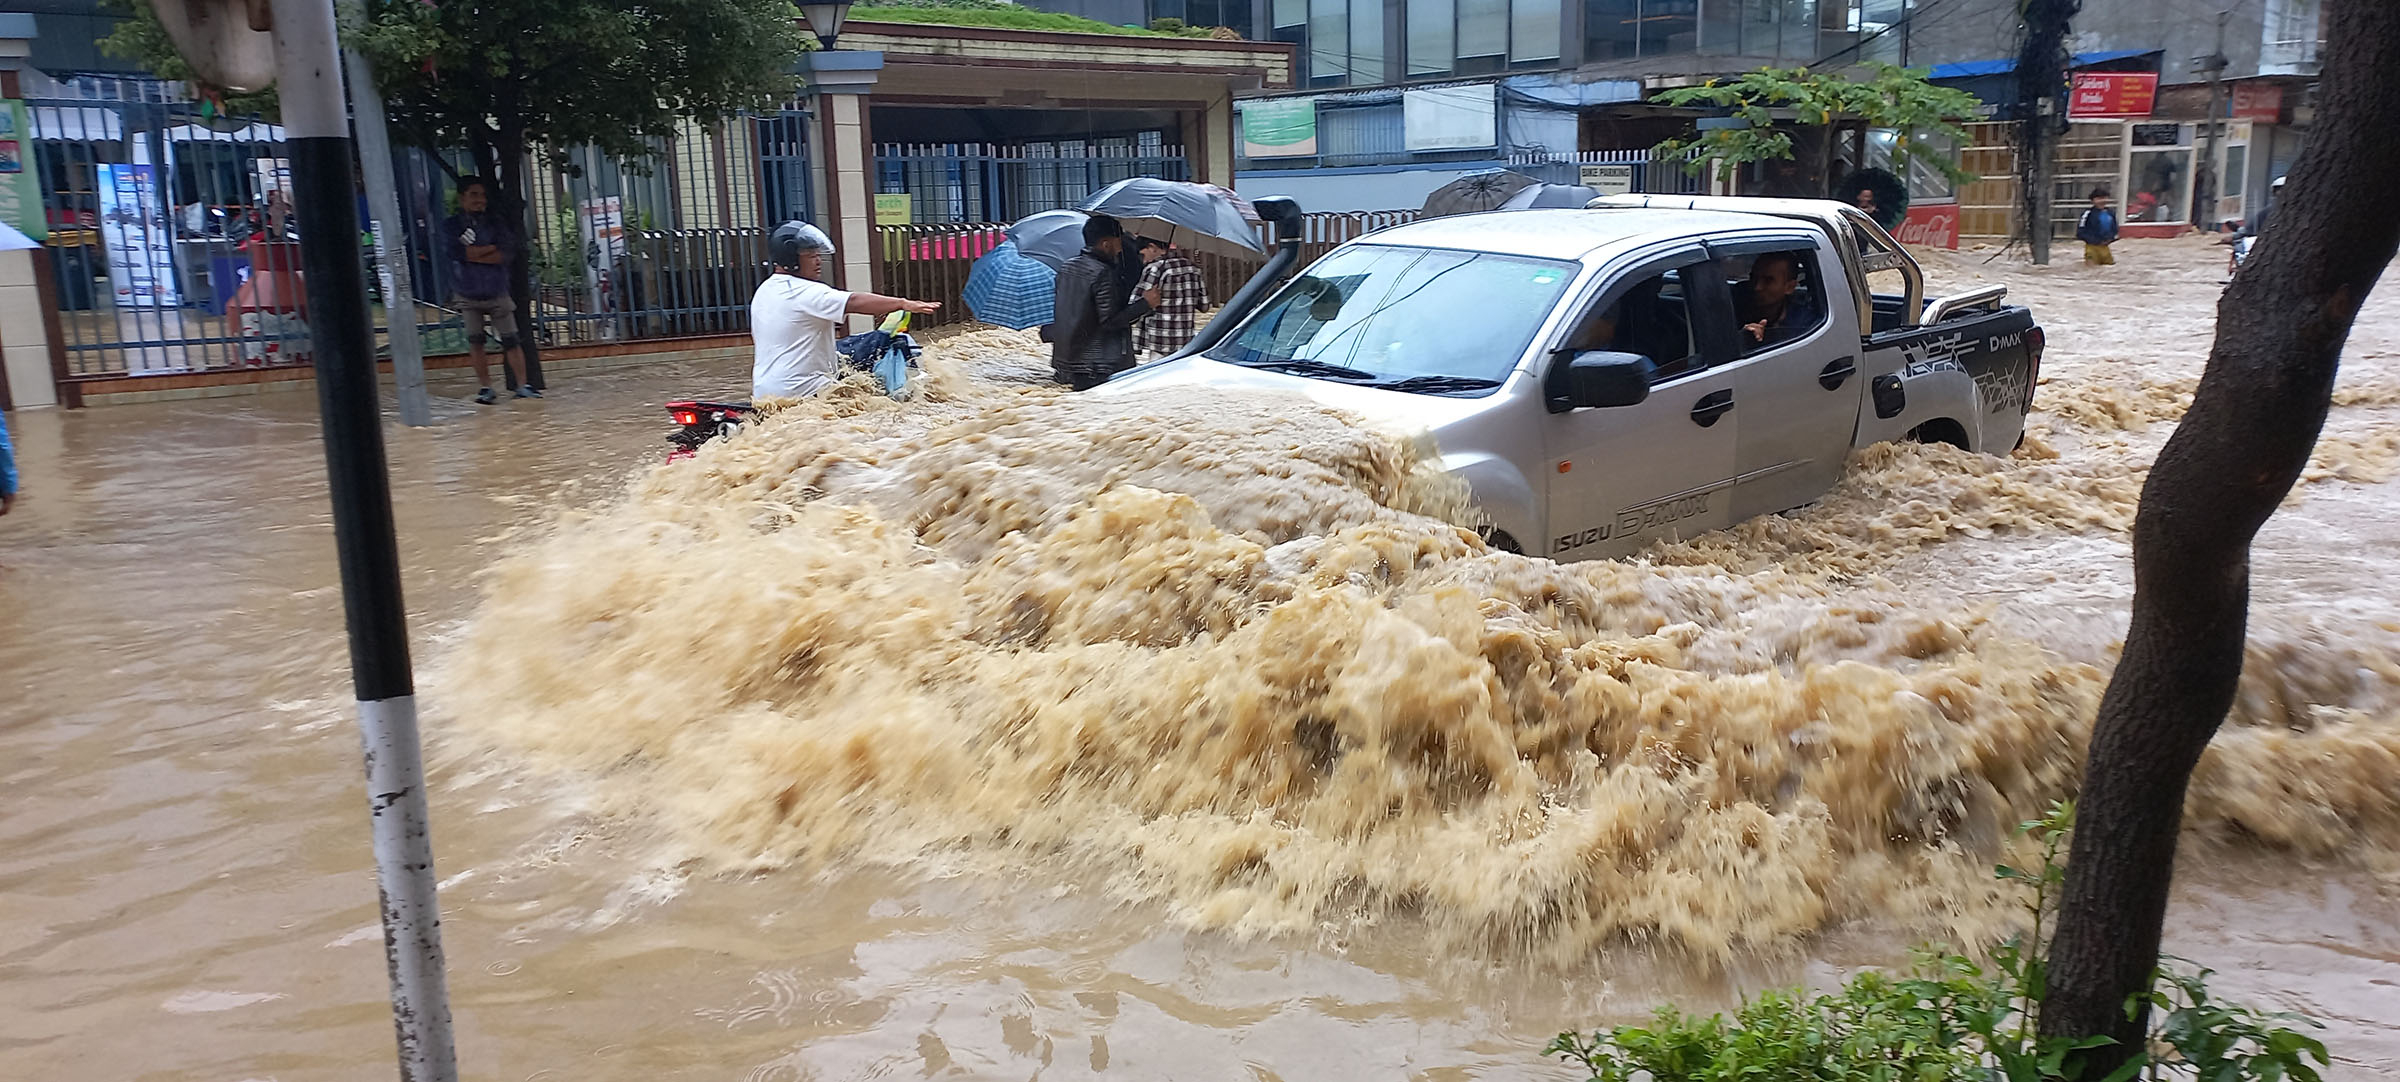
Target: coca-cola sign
1934	225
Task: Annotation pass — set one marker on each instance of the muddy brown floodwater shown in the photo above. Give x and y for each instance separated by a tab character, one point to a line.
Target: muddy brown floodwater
1003	734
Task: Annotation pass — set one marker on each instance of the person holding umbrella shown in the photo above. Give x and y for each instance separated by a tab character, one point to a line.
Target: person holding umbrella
1175	291
1092	337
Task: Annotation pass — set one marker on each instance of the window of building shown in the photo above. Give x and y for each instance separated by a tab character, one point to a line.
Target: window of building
2158	173
1533	27
1611	30
1367	65
1432	36
1328	42
1482	35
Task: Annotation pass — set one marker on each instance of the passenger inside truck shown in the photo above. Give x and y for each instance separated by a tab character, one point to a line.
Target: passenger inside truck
1650	319
1777	300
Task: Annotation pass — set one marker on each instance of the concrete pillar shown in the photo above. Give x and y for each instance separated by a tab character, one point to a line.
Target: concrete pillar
844	162
1217	127
24	343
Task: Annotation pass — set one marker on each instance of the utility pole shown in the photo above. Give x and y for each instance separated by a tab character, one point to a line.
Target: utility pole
308	63
292	45
383	202
2204	177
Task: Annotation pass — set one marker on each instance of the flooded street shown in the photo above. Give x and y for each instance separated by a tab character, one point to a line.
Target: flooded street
1008	736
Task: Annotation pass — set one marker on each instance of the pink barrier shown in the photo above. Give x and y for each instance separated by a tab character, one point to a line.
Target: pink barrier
955	245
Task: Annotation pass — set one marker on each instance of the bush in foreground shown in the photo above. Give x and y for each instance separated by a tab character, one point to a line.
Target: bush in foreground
1947	1018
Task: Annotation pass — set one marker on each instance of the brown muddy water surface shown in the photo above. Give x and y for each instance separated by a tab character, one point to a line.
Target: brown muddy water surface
1010	735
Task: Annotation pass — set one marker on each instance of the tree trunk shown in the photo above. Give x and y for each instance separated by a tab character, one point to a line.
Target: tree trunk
2252	424
2041	78
514	205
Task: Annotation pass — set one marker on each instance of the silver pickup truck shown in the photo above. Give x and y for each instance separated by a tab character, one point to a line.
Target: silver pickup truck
1650	367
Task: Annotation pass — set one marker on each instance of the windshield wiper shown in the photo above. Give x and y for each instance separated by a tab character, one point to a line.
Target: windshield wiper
1298	366
1438	383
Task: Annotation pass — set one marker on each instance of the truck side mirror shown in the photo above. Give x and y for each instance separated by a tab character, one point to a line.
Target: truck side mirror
1603	378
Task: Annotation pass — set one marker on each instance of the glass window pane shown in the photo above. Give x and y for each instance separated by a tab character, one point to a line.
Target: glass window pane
2237	168
1291	12
1799	38
1432	33
1394	311
1482	28
1328	41
1610	28
1366	42
1721	27
1670	27
1533	29
1758	27
2161	186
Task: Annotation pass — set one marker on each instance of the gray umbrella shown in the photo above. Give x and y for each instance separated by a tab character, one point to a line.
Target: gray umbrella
1475	193
1551	197
1194	217
1052	237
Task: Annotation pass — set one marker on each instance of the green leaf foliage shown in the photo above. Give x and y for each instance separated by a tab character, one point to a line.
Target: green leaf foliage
1949	1019
1774	100
501	76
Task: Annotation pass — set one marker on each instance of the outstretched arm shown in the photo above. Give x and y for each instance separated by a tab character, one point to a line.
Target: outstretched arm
879	306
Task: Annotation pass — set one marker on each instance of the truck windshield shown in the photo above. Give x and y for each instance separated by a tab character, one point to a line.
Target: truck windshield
1415	319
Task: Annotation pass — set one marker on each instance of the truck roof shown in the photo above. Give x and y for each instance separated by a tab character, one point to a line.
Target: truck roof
1562	234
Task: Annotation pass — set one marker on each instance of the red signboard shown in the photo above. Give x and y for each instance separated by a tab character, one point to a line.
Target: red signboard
1931	224
2112	94
2257	101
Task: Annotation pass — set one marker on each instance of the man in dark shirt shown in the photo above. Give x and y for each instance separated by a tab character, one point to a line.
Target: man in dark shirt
1772	308
482	247
1092	331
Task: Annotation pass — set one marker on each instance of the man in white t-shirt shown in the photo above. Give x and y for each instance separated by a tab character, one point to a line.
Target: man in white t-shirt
794	317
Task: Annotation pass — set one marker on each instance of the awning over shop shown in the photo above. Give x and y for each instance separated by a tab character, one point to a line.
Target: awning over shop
77	124
1975	69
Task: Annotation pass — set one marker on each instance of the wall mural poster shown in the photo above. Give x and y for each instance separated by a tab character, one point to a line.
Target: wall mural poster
134	229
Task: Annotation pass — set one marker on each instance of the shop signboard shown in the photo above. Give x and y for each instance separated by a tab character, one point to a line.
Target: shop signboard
1607	179
894	208
1279	128
2257	101
1934	225
2103	94
140	270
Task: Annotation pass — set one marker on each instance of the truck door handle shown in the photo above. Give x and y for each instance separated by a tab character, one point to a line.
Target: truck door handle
1712	406
1837	373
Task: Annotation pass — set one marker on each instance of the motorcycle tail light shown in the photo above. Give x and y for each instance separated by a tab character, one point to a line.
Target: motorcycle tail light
686	417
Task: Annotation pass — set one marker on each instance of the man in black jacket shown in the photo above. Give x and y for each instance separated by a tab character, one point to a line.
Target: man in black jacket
1092	329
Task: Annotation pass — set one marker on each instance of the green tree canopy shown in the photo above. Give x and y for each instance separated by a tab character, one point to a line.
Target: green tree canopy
1897	98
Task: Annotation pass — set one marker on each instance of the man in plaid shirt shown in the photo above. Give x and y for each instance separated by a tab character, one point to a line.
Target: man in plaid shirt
1172	285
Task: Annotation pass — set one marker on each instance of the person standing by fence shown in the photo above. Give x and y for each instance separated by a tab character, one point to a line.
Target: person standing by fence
482	247
1174	289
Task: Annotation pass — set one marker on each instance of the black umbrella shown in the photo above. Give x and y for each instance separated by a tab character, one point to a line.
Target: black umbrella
1891	195
1475	193
1551	197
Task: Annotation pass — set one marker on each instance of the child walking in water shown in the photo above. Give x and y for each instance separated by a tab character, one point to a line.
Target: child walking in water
2098	230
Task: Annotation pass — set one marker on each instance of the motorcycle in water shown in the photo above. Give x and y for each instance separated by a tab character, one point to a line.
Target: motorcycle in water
888	352
698	422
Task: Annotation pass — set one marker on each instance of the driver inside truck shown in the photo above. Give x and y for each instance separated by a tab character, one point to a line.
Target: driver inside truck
1775	303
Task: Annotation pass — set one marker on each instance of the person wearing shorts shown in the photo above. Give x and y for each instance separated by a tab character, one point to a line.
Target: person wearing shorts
482	247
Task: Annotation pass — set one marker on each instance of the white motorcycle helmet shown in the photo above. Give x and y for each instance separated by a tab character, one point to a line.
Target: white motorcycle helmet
791	240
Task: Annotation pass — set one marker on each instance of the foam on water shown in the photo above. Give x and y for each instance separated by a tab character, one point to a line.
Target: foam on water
1241	656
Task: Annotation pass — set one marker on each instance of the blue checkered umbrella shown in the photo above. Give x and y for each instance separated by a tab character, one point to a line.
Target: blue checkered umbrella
1011	290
